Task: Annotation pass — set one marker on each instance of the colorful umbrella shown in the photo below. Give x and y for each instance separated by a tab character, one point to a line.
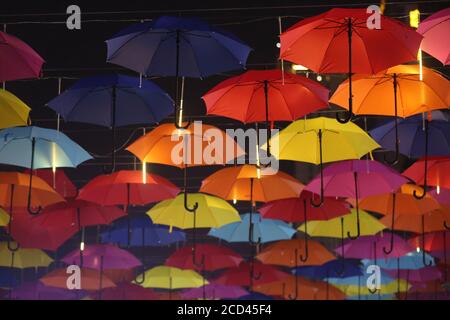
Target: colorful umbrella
411	261
14	112
4	218
90	280
442	195
37	148
19	60
321	42
434	29
58	180
215	291
23	258
129	291
118	101
329	270
38	291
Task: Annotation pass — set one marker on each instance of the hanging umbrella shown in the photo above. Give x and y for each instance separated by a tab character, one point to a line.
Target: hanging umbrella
4	218
212	257
14	112
90	279
58	180
23	258
129	291
329	270
19	60
398	91
264	230
442	195
139	231
320	43
179	47
434	29
325	140
286	253
9	278
266	95
126	188
37	148
215	291
38	291
356	179
410	261
113	101
296	288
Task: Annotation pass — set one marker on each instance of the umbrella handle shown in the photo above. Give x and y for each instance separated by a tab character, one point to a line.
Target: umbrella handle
140	281
426	166
358	224
392	227
305	258
446	226
372	291
182	127
347	118
317	205
30	188
10	247
294	297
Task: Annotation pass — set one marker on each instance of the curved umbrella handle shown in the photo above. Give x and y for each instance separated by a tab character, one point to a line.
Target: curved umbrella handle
347	118
446	225
140	281
358	224
30	186
372	291
305	258
386	251
425	187
181	127
317	205
10	247
294	297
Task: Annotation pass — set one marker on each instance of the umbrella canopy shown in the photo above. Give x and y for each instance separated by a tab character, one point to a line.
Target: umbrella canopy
128	291
58	180
138	231
212	257
102	256
321	42
172	278
50	148
362	292
442	195
264	230
296	209
286	97
246	182
14	112
410	261
434	29
38	291
329	270
20	61
215	291
212	212
239	276
333	228
286	253
438	172
4	218
177	46
23	258
9	278
434	242
90	279
296	288
158	145
126	187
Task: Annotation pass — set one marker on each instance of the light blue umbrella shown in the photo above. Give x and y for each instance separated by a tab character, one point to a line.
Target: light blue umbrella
411	261
264	230
361	280
39	148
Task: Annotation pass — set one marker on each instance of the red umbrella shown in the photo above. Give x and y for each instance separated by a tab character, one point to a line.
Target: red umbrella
339	41
127	188
259	274
212	257
90	279
58	180
19	60
266	95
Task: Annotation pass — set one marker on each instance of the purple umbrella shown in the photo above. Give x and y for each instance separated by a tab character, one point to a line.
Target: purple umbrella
357	179
215	291
19	60
419	275
39	291
443	197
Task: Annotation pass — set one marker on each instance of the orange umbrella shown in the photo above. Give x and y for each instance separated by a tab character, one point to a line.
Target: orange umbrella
438	172
397	91
402	203
296	288
89	279
286	253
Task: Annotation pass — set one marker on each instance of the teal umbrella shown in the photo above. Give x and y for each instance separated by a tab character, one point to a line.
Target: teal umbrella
39	148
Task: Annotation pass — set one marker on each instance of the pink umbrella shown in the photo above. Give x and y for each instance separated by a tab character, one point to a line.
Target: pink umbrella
215	291
419	275
19	60
435	35
129	291
357	179
39	291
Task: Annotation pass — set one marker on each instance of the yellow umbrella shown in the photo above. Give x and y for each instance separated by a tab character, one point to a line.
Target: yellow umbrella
171	278
4	218
321	140
23	258
388	288
212	212
13	111
338	227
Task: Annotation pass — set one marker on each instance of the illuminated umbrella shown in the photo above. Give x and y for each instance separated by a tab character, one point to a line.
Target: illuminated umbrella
37	148
356	179
14	112
19	60
90	279
434	29
320	43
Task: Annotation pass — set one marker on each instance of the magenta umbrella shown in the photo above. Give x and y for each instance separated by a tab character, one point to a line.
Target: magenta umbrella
129	291
419	275
215	291
357	179
19	60
443	196
39	291
435	35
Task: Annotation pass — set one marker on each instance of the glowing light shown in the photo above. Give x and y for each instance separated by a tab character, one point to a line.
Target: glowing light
144	173
319	78
414	18
258	170
234	201
418	249
299	67
278	45
438	189
82	246
419	58
54	157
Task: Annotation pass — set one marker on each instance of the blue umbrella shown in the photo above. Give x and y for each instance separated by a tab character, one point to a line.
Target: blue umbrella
415	133
329	270
264	230
179	47
140	231
362	279
10	277
113	101
411	261
38	148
